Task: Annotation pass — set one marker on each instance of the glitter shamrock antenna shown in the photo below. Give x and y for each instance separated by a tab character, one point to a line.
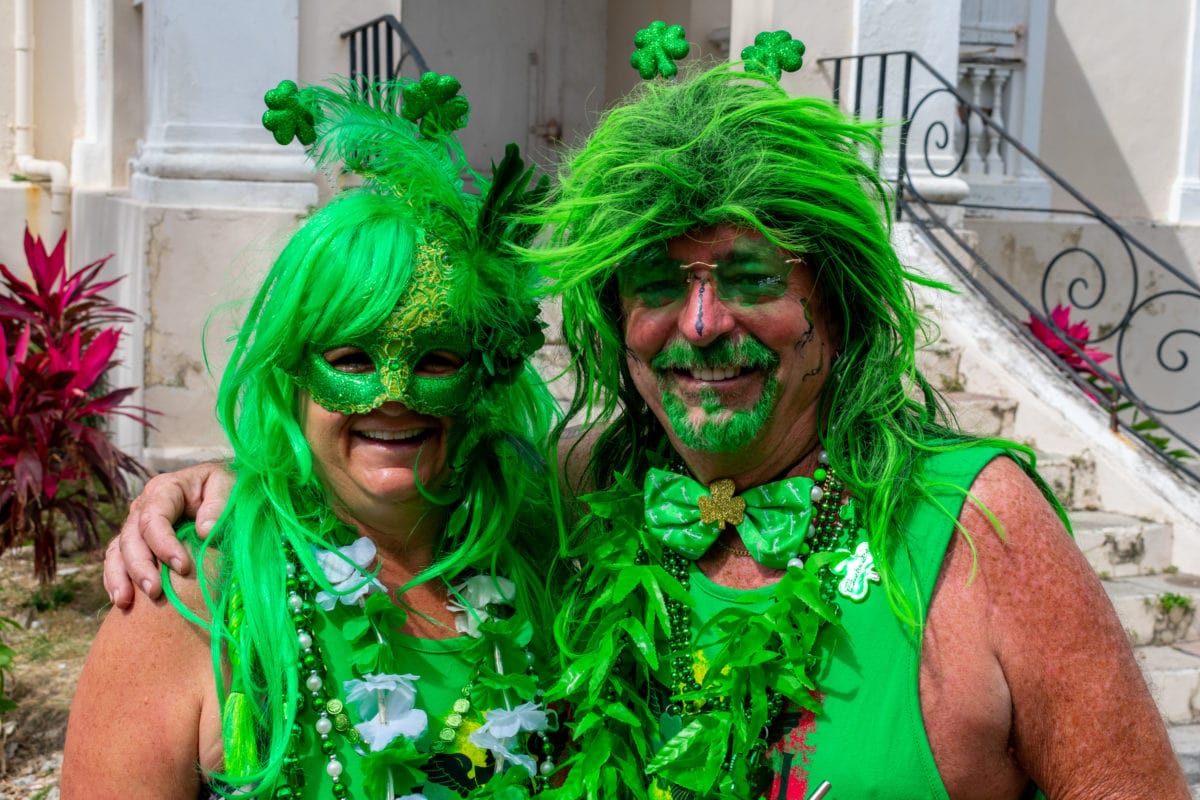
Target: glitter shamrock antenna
658	46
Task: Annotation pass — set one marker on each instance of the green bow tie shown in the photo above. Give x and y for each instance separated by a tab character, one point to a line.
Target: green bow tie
773	520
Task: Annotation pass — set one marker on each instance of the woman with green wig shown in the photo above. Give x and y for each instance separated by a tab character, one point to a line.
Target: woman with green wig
362	621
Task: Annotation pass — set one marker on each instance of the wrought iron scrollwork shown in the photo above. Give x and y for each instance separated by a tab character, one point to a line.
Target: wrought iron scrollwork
1138	302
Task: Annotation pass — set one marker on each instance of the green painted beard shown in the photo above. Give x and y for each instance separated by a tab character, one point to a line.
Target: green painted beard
723	430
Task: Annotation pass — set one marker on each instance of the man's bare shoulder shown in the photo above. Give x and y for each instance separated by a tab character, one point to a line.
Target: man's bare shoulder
1019	615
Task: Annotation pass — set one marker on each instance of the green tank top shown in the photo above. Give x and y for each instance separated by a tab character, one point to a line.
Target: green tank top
868	740
443	673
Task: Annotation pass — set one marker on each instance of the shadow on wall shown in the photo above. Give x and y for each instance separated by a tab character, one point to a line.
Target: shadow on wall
1077	137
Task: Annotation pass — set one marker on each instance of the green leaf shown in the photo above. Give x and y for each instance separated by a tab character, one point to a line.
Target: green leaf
693	757
366	659
355	627
399	760
617	710
641	640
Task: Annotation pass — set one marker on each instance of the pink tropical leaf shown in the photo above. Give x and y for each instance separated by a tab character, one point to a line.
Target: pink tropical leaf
1076	333
46	268
28	474
96	359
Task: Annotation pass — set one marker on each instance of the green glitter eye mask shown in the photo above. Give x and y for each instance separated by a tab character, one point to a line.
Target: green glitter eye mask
421	326
755	272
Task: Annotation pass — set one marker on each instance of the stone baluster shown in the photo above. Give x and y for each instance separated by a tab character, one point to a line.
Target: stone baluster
995	159
974	164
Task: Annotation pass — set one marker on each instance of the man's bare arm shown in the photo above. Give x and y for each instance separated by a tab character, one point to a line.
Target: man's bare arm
1083	722
147	536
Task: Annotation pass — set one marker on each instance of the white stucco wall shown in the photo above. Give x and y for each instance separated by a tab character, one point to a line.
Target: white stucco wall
1112	110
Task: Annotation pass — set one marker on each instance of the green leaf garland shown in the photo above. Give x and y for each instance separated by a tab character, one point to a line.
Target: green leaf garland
616	645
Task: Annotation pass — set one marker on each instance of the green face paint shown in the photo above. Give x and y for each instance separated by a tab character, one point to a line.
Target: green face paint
723	429
754	272
420	325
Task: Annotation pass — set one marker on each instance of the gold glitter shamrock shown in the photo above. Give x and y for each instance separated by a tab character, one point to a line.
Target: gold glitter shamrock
287	115
658	46
722	507
433	101
774	52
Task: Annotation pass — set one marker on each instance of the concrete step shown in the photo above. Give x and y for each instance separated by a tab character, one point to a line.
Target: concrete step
1072	477
939	364
1120	546
1157	609
984	414
1173	675
1186	741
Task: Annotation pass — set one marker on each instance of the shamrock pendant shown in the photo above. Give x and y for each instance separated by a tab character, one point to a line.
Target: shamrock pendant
669	724
858	570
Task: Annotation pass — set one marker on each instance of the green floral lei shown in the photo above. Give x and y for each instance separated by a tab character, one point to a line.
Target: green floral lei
495	639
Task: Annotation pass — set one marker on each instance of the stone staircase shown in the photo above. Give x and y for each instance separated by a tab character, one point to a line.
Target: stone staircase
1155	602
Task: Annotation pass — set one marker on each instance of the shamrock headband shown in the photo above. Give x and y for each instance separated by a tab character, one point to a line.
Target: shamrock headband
659	46
466	297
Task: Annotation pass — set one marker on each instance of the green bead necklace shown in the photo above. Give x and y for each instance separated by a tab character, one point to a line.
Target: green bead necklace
827	532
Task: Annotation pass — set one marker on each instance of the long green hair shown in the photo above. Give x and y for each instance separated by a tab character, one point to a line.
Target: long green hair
723	146
339	277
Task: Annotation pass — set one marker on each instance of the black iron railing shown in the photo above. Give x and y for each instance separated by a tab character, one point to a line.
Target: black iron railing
900	86
378	50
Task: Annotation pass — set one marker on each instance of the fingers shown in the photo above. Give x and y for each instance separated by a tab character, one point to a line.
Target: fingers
148	537
217	487
116	580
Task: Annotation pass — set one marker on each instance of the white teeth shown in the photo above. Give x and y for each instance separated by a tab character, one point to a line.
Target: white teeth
716	374
392	436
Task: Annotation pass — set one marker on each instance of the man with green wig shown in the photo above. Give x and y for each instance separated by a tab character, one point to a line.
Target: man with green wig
798	578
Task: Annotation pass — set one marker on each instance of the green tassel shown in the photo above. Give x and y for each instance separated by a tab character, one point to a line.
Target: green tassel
241	751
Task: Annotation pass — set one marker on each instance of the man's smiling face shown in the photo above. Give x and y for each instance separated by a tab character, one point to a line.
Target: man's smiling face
727	344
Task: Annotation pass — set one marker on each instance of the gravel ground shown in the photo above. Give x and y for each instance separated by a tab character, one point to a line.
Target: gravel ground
56	626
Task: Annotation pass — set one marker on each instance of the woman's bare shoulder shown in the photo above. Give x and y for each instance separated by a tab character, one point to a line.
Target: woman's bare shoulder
139	712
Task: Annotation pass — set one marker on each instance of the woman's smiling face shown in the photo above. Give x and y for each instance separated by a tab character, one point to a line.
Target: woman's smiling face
372	463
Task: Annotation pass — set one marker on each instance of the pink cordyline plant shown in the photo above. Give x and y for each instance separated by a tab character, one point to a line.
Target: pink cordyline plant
55	350
1076	333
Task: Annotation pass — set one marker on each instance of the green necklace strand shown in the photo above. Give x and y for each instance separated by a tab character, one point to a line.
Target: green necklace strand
826	533
332	720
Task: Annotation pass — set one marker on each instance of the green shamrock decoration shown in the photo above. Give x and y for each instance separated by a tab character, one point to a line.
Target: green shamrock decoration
774	52
433	102
658	47
287	117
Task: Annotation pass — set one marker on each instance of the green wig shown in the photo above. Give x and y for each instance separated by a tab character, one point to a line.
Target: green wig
725	146
338	278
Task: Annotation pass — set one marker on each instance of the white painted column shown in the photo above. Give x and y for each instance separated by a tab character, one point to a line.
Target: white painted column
91	153
931	29
207	65
1185	193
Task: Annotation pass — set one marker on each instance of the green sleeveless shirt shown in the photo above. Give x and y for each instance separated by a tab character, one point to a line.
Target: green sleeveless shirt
868	740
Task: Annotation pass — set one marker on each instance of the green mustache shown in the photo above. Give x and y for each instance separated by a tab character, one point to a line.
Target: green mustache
745	352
